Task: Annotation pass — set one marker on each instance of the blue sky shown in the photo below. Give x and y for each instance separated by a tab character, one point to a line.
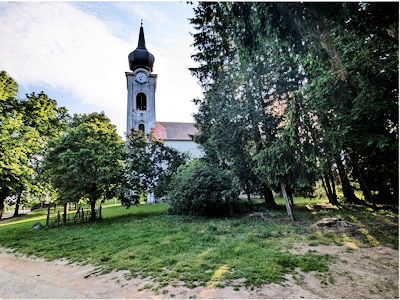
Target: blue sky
76	52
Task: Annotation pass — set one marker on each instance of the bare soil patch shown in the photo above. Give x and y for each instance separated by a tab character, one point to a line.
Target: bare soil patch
358	273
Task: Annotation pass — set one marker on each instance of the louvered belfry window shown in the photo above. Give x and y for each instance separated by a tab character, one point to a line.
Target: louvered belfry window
141	101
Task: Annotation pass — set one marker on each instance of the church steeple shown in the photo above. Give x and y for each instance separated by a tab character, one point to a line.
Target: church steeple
142	42
140	57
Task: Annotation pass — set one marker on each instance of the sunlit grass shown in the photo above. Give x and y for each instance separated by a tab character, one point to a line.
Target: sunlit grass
148	242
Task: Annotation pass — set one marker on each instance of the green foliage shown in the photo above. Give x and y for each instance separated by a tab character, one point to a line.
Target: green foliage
25	126
202	189
12	137
86	161
149	167
8	88
301	86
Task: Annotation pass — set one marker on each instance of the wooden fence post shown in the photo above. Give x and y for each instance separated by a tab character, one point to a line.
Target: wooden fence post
83	216
100	212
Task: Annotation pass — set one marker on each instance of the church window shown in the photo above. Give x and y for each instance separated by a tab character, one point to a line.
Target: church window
141	127
141	101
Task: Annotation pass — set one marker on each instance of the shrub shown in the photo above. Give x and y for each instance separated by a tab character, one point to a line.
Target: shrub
201	189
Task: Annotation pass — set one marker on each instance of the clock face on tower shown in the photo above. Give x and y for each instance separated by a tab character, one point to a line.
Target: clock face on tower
141	77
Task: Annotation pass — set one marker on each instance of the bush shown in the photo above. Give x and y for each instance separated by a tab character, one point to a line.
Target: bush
201	189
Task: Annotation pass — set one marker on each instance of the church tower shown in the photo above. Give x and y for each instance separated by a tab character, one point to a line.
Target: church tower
141	84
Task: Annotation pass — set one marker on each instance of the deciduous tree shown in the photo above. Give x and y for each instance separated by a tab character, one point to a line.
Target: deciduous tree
149	167
86	161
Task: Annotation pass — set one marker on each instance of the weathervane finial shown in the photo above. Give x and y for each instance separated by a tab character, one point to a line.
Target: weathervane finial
141	22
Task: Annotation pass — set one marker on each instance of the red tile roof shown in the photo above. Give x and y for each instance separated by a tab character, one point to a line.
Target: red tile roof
174	131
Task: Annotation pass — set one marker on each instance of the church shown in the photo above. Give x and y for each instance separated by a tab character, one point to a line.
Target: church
141	109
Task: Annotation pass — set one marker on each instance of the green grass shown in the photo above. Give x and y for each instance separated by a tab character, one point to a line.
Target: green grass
198	251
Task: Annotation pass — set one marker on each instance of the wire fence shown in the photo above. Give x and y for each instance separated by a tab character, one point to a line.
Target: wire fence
81	215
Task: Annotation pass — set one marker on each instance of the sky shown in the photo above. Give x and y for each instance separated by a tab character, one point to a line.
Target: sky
77	53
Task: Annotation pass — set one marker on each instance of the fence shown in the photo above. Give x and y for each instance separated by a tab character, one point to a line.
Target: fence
79	216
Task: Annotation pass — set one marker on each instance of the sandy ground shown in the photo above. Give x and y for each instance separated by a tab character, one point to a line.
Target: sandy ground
362	273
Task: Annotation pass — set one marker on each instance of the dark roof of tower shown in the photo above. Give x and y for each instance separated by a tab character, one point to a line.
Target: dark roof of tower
140	57
174	131
141	42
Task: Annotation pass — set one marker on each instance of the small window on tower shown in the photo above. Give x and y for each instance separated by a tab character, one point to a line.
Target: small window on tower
141	101
141	127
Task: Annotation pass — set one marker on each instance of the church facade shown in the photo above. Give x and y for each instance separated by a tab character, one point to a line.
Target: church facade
141	108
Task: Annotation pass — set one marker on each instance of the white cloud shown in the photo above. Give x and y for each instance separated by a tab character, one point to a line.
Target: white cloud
59	45
176	87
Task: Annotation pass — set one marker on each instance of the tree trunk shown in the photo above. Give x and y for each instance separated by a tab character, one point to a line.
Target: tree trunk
248	193
17	203
269	198
58	218
230	208
360	176
48	215
65	213
325	188
1	208
288	208
290	196
332	180
347	189
92	211
330	192
384	194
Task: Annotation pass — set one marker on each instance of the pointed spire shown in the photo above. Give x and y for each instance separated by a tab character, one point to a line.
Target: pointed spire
142	42
140	57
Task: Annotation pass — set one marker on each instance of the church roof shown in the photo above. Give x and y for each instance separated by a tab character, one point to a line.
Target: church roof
174	131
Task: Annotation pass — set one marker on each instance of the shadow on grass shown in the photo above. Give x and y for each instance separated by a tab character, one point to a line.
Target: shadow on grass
131	215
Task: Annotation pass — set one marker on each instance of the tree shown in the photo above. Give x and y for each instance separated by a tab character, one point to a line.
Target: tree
149	167
338	75
350	58
18	142
41	115
86	161
8	162
239	70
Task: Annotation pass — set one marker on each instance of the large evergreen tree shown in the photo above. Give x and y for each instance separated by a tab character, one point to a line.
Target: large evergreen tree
317	81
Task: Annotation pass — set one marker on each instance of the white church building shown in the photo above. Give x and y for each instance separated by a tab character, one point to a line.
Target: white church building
141	109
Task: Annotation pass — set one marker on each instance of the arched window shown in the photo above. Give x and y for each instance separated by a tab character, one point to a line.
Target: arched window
141	101
141	127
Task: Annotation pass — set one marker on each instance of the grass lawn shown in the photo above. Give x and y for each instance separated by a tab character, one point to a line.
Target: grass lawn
195	251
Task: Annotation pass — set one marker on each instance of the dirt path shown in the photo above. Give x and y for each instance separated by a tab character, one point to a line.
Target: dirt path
362	273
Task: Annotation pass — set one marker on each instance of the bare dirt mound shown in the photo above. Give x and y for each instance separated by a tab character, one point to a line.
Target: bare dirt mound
337	225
